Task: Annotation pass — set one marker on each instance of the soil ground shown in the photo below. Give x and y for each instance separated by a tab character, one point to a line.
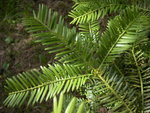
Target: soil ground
19	53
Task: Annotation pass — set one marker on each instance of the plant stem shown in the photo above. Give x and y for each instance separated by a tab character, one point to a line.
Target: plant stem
141	80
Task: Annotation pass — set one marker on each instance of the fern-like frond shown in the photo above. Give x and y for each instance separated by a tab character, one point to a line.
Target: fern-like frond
90	29
71	107
143	5
145	46
138	75
113	91
146	89
121	33
49	29
87	10
133	62
36	86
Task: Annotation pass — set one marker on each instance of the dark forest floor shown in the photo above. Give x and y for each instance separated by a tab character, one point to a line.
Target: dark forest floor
19	53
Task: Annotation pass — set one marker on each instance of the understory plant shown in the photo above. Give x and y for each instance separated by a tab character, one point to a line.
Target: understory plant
108	64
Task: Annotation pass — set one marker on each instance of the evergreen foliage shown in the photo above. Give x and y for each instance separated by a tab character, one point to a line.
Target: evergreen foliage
112	63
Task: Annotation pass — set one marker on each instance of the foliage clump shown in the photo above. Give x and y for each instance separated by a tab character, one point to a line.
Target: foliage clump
112	66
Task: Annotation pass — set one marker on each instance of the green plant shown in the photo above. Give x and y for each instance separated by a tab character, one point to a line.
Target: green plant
111	64
58	106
